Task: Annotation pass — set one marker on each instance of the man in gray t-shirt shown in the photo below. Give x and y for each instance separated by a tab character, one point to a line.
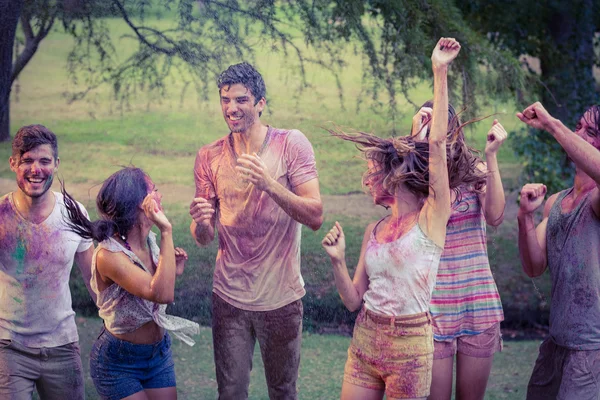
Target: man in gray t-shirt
38	335
567	242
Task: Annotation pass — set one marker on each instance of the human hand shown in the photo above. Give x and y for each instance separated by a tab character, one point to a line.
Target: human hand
201	211
420	123
180	259
444	52
254	170
155	214
334	242
536	116
495	137
532	196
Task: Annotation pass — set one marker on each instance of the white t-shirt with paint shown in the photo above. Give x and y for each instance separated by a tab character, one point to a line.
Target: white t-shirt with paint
35	265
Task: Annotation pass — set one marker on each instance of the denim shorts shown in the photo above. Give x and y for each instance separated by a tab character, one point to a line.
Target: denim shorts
120	369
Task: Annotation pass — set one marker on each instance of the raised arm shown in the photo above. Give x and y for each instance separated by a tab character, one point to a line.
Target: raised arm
351	290
437	208
584	155
492	199
160	287
532	239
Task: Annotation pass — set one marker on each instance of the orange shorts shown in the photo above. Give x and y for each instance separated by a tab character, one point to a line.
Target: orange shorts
391	354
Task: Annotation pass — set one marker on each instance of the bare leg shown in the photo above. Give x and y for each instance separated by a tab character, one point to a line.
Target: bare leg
168	393
472	375
441	379
354	392
137	396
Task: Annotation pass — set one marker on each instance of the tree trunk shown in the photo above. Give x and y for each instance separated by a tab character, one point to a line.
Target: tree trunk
10	11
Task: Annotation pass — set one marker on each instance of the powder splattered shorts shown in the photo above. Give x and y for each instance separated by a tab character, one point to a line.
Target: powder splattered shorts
391	354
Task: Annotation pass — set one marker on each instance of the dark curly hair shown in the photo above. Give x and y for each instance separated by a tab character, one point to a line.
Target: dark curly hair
248	76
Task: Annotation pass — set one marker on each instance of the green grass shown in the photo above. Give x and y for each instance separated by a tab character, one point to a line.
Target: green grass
321	367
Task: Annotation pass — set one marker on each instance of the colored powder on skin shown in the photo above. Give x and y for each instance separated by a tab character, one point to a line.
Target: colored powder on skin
20	301
19	255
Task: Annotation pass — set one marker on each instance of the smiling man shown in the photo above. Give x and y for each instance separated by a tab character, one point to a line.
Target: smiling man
256	187
38	336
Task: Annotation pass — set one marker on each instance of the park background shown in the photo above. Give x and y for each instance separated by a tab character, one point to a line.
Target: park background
161	131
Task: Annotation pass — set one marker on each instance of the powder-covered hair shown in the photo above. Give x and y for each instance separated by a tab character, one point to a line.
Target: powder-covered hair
403	160
118	204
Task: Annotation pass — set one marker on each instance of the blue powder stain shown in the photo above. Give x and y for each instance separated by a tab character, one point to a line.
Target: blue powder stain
19	256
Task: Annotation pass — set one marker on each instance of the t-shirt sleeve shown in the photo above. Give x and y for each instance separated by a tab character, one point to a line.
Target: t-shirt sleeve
300	157
85	243
203	175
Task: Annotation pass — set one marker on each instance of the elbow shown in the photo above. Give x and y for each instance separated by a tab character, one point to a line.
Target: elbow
165	298
494	221
316	223
437	140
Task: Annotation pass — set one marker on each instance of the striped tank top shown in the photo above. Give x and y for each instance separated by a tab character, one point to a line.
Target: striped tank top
465	300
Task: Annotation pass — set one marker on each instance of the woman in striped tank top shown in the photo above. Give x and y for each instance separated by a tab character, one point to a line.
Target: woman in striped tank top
391	351
465	304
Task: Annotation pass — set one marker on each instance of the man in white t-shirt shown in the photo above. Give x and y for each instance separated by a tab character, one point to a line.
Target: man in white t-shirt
38	336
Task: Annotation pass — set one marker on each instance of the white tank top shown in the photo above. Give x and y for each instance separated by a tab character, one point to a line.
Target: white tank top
401	273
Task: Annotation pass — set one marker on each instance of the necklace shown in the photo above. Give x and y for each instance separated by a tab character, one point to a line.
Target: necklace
260	151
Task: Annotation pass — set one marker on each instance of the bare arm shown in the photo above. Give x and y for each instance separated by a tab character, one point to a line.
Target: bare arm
532	239
83	260
492	199
583	154
303	204
203	214
436	210
160	287
351	291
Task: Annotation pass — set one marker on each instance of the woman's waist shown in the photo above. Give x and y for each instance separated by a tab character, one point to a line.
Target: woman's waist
149	333
415	320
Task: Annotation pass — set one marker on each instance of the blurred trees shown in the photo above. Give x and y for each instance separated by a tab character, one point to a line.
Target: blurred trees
395	37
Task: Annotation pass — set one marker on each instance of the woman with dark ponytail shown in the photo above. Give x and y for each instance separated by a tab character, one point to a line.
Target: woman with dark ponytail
134	280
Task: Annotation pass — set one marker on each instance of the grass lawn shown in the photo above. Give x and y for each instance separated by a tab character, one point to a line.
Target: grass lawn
321	366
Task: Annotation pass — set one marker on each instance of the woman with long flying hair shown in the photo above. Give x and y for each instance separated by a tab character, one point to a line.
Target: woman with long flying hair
465	305
134	280
392	346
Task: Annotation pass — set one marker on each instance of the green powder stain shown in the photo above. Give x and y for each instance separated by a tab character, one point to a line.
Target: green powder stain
20	301
19	256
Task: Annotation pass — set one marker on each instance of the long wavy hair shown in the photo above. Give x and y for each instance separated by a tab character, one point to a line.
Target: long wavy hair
118	205
405	161
463	160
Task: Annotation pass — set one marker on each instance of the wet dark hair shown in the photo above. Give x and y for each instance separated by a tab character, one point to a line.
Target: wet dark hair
31	136
118	204
592	117
248	76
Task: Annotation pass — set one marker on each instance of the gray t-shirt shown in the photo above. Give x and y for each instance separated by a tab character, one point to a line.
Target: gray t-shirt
573	249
